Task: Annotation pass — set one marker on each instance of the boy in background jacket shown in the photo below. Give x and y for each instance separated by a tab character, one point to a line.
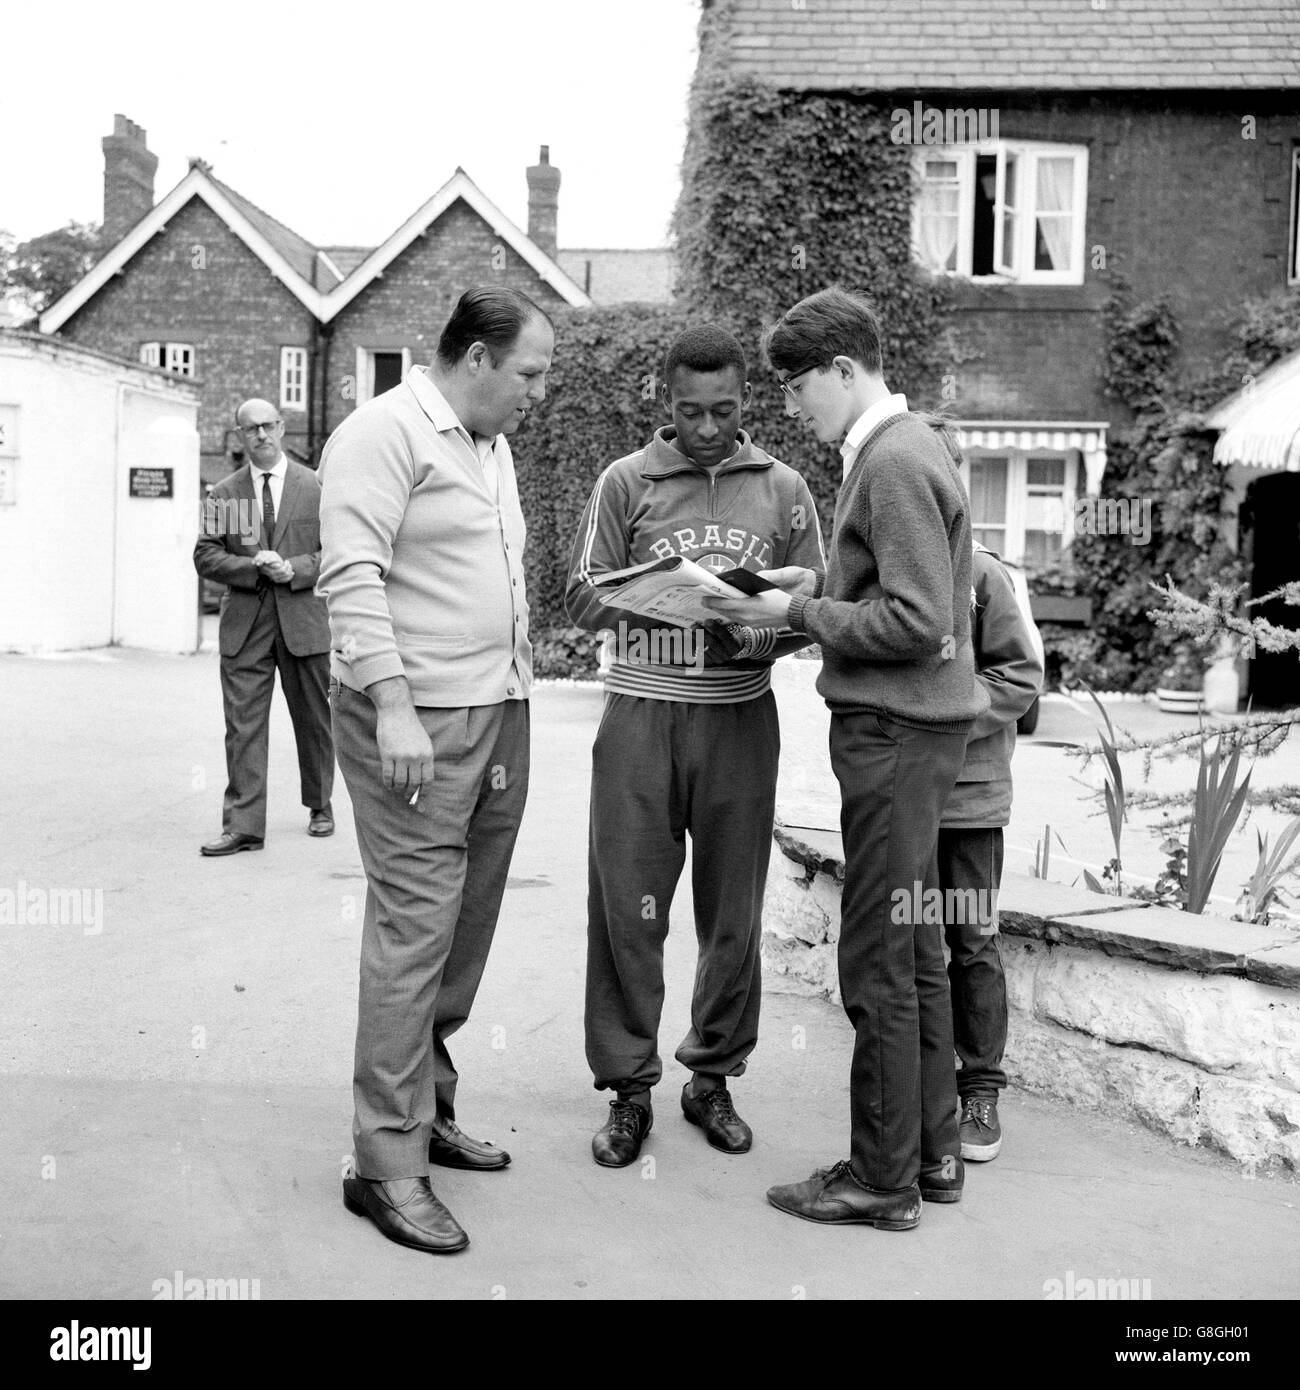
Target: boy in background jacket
685	744
970	851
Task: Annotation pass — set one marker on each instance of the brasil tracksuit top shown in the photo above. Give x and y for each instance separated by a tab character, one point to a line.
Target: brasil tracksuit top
749	511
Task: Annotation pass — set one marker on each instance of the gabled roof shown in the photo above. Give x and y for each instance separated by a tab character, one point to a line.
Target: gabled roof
621	276
253	227
297	250
310	273
1010	45
460	185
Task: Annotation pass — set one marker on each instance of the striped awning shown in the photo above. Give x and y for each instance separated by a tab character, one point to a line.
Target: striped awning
1260	424
1040	435
1267	435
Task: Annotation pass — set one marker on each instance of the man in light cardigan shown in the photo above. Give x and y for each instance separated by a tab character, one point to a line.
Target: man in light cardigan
422	542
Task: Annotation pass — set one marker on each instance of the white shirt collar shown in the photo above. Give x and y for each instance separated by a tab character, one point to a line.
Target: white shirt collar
866	422
277	470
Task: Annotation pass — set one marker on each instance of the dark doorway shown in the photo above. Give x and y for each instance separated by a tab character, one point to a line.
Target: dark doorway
388	371
1271	512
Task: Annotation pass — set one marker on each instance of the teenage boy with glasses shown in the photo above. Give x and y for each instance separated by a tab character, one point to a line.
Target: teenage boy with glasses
898	672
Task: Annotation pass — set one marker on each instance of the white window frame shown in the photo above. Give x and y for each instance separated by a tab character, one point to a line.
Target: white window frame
293	378
1293	245
366	369
151	354
179	358
1017	266
1016	517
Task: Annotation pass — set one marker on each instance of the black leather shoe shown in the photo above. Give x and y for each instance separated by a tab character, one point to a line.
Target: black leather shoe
321	822
229	843
451	1147
716	1116
619	1142
943	1181
835	1197
406	1211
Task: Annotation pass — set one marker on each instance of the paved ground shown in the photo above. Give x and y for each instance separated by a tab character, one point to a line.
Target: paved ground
177	1084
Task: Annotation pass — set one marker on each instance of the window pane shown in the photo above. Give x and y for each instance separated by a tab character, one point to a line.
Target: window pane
1045	511
1046	472
1042	547
988	491
992	538
1055	184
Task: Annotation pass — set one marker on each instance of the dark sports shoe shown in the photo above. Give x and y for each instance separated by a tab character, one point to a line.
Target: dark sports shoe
619	1142
981	1135
716	1116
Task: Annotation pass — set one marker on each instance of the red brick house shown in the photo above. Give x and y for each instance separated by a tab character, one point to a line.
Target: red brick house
207	284
1056	143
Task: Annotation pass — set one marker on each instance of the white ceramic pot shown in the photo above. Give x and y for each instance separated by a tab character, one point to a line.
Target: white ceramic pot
1179	701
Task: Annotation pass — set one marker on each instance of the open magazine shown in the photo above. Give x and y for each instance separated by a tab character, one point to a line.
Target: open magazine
670	590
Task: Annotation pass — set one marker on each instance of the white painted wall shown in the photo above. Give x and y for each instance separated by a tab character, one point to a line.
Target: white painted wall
81	564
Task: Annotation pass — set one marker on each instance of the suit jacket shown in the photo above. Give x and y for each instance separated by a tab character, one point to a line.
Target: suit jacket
231	535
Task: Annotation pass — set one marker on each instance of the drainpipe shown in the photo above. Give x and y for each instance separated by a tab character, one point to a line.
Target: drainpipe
325	334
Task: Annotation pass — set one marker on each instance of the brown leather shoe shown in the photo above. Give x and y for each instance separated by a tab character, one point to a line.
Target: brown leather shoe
406	1211
229	843
451	1147
321	822
716	1116
619	1141
835	1197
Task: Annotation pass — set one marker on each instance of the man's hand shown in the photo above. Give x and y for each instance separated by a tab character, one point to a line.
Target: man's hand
771	608
279	573
792	579
405	751
266	557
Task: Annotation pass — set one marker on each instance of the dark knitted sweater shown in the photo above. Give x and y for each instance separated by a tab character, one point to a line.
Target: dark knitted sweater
894	620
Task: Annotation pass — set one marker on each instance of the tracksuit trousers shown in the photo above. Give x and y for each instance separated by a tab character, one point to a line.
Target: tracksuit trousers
661	769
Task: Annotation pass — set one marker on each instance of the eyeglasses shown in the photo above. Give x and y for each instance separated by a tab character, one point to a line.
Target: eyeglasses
251	430
786	384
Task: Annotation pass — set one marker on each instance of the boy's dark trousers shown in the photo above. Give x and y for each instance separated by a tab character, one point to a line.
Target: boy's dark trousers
972	858
894	783
659	769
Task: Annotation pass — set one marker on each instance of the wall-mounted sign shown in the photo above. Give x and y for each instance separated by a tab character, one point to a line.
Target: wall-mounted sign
150	482
8	431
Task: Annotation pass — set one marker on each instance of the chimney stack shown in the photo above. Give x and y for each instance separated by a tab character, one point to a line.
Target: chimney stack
543	202
128	178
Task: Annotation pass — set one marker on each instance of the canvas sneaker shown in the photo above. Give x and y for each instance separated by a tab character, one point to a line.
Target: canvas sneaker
981	1135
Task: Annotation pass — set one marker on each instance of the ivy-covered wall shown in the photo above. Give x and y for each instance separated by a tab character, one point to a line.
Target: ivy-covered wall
772	208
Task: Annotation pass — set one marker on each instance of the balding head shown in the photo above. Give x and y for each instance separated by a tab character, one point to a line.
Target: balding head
262	429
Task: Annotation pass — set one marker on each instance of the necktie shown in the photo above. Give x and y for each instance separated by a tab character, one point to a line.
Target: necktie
268	512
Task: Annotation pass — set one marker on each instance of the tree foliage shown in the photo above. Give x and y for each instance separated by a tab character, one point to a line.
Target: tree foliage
43	269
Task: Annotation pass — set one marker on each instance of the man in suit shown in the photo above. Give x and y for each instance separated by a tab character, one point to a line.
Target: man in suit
271	620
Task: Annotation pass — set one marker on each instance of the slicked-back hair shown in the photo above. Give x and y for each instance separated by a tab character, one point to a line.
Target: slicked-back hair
829	324
488	314
705	347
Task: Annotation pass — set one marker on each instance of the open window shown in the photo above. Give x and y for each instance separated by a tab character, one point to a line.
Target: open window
1003	209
